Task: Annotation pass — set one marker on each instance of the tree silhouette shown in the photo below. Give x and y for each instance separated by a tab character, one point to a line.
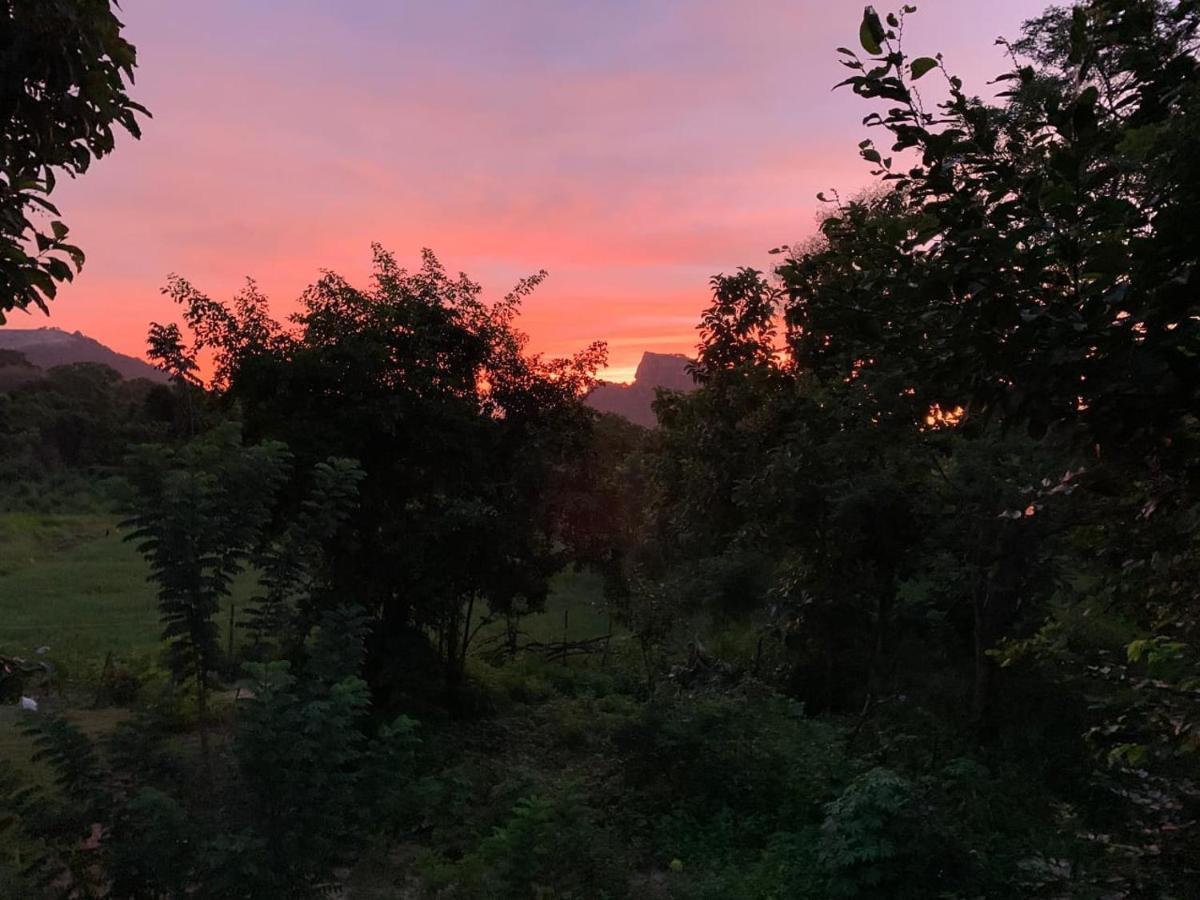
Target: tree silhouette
63	73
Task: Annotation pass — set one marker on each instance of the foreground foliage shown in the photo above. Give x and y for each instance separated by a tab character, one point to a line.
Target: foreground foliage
64	69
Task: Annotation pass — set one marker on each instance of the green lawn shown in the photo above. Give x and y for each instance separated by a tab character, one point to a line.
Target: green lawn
72	583
580	596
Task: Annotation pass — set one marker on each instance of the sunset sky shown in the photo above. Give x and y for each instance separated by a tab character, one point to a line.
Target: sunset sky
632	148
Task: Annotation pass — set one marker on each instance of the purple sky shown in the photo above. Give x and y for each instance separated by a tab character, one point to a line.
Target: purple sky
633	149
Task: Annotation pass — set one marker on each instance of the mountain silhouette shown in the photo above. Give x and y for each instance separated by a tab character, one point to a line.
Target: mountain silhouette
633	401
49	347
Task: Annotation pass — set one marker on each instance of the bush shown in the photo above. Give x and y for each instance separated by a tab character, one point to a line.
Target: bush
871	838
757	757
551	845
119	685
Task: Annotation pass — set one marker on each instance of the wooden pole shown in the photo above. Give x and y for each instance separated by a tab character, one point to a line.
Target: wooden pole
232	609
566	613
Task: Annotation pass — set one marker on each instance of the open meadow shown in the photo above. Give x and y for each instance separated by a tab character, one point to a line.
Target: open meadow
72	583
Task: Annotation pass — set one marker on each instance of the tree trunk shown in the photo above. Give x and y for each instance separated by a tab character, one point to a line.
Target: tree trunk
982	681
466	636
202	708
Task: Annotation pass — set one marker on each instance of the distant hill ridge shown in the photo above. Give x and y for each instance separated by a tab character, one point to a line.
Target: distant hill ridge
633	401
46	348
49	347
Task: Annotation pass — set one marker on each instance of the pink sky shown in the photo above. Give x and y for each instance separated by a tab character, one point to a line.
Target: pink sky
632	148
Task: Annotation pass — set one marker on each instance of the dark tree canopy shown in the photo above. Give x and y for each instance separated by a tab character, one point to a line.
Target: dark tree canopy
64	71
980	440
456	425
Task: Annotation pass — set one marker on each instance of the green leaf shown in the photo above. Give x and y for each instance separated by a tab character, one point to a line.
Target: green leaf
1127	754
76	255
870	33
922	65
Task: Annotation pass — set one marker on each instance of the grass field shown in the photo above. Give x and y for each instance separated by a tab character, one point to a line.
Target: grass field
72	583
574	611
